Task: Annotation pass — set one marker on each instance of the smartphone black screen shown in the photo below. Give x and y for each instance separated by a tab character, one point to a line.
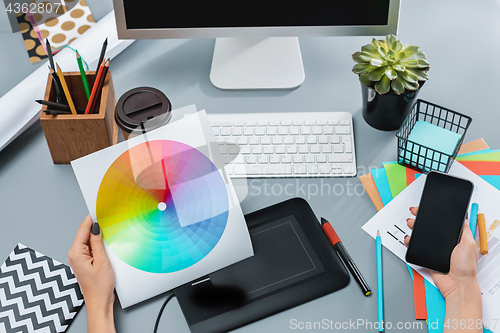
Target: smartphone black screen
439	221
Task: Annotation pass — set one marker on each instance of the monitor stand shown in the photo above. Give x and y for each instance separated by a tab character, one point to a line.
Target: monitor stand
257	63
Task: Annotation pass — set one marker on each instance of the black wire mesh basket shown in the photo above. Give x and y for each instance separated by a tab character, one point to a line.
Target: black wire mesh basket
416	156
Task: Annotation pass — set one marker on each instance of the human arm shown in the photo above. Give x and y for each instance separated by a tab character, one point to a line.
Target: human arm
95	276
460	286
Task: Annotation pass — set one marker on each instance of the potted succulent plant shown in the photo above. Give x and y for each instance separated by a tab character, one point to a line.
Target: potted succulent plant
391	75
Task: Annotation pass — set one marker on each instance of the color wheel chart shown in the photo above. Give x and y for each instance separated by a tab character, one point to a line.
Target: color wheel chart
162	206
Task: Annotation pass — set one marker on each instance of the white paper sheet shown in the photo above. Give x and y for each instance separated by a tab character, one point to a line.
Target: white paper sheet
392	219
134	285
18	107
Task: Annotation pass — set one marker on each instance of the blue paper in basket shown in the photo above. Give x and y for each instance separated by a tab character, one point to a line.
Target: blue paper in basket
430	136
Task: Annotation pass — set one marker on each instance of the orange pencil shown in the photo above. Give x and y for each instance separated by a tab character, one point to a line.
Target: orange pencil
100	86
483	238
65	89
93	94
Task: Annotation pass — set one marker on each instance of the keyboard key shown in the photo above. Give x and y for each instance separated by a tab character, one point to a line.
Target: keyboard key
336	166
324	169
265	140
294	130
299	169
225	132
333	122
268	150
312	169
329	130
226	124
312	140
326	148
262	123
277	140
321	122
242	141
228	159
303	149
288	140
286	159
248	131
233	150
298	158
297	123
253	141
300	140
286	123
348	170
339	158
274	123
279	150
229	169
305	130
336	171
338	148
245	150
271	131
317	130
250	123
348	145
283	131
345	122
343	130
238	124
216	131
309	122
291	150
274	159
321	159
334	139
257	150
314	149
322	139
263	159
215	123
251	159
309	158
260	131
239	159
223	150
236	131
231	140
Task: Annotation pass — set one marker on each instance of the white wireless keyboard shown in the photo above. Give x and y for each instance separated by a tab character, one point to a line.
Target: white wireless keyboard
305	144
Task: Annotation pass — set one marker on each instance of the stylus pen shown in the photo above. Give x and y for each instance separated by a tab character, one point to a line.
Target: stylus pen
380	284
344	256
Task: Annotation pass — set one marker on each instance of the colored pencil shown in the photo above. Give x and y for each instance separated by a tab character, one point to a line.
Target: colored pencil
101	57
65	89
473	218
58	106
483	237
344	256
49	54
84	76
57	87
93	94
55	112
380	283
99	87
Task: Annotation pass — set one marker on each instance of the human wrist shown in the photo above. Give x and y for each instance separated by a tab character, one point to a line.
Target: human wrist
465	290
100	318
464	302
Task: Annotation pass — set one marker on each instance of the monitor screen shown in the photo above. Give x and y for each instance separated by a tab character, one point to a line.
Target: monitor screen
161	14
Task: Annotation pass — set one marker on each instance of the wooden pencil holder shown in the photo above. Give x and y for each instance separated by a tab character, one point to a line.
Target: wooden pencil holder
72	136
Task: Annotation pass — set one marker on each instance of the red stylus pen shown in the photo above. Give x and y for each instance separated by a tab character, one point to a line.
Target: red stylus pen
344	256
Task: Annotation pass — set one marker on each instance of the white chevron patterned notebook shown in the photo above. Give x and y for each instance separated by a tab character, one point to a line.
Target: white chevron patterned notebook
37	293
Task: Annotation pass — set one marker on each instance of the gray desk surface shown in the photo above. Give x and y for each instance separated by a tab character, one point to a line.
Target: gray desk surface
41	204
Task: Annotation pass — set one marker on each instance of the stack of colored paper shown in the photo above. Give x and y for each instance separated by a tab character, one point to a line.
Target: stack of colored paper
383	184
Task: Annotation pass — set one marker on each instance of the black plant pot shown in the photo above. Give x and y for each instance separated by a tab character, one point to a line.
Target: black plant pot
386	112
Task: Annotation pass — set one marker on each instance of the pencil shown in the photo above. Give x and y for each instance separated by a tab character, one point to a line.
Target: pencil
101	57
55	112
57	87
49	54
84	76
93	94
65	89
483	238
57	106
380	283
101	84
473	218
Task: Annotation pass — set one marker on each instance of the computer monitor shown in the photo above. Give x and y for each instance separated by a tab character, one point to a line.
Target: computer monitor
257	45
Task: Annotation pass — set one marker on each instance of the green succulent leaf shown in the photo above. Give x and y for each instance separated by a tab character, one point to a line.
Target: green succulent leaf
383	85
397	86
357	58
419	73
371	52
377	73
376	62
398	46
411	50
409	63
422	63
391	54
416	56
391	41
399	68
410	85
375	43
391	73
400	56
409	76
365	80
362	68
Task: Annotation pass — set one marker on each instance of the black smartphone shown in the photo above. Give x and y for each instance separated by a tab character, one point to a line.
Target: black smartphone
439	221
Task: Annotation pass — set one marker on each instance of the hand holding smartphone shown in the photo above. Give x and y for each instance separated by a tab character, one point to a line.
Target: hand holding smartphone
439	221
